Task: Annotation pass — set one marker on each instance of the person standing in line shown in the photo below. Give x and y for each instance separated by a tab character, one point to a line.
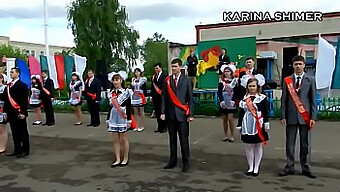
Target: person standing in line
92	95
223	59
253	121
138	85
192	63
298	107
15	106
158	80
178	107
47	96
3	122
225	94
75	96
35	98
119	116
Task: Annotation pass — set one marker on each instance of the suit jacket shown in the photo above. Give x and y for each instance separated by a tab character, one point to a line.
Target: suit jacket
19	93
307	95
184	95
159	83
94	88
49	85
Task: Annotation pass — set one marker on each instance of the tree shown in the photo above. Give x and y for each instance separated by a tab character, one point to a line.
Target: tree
154	50
12	52
101	32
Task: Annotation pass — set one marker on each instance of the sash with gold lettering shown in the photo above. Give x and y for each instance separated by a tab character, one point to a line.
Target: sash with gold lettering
14	104
158	90
121	112
297	102
175	100
253	111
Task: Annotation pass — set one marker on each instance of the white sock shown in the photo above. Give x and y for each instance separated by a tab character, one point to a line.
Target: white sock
250	156
258	153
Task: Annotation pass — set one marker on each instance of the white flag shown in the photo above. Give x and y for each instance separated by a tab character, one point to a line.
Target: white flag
80	64
9	65
325	64
53	71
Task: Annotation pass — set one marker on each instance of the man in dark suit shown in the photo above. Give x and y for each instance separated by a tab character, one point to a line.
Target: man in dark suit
92	95
223	59
15	106
192	63
299	90
178	109
240	90
47	96
156	92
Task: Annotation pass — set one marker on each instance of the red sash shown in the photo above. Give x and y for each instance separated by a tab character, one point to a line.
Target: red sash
297	102
158	90
253	111
46	91
92	95
11	100
121	112
175	100
142	96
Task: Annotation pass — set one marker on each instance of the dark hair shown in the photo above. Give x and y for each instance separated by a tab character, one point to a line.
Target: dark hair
139	70
298	58
92	70
257	84
250	58
37	80
73	74
114	77
177	60
159	65
44	71
16	69
2	77
224	49
232	73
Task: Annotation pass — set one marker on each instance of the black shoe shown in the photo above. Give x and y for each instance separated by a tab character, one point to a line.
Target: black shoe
96	125
50	124
255	174
285	173
12	154
79	123
115	165
249	173
163	131
23	155
44	124
36	123
308	174
89	125
157	131
169	166
185	168
123	165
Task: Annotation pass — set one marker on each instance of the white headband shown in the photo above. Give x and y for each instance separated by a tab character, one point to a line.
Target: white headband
76	73
231	66
260	78
36	76
122	74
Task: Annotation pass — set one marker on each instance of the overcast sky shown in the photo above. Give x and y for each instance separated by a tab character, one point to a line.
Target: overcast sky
22	20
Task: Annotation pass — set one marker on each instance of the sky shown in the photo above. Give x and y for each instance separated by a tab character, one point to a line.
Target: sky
22	20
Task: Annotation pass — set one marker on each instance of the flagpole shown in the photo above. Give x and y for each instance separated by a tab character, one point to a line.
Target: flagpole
47	51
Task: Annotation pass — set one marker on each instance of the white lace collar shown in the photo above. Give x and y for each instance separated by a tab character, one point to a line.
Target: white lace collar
258	98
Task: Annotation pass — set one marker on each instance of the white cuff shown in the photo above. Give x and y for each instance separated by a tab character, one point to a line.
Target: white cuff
129	121
266	126
238	128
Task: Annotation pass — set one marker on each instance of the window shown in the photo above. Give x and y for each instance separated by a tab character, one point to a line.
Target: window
42	52
310	54
33	53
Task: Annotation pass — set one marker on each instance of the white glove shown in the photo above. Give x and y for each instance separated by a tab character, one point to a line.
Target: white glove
222	104
266	126
238	128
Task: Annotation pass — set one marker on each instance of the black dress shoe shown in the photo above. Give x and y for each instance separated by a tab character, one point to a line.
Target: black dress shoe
23	155
157	131
285	173
44	124
50	124
89	125
115	165
96	125
169	166
185	168
249	173
308	174
124	165
12	154
163	131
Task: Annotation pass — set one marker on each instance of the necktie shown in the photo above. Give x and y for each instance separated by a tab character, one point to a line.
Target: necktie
175	82
297	84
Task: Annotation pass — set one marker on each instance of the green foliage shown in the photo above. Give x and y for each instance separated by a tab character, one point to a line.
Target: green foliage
154	50
12	52
101	32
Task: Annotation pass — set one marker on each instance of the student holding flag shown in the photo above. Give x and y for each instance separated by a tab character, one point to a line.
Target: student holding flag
156	91
298	106
119	118
253	121
92	95
16	103
178	109
47	96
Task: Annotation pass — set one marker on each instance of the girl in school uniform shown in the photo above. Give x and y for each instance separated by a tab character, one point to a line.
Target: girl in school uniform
3	122
35	98
75	93
227	100
138	85
119	117
253	121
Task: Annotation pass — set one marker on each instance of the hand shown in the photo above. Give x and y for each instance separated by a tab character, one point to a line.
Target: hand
97	101
21	116
129	125
151	99
283	122
125	116
163	117
5	117
312	123
266	127
190	119
52	99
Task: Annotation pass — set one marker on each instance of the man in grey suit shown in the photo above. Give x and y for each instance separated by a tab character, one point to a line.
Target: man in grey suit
293	120
178	109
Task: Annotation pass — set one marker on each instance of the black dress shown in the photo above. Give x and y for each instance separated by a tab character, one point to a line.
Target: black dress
192	62
246	120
